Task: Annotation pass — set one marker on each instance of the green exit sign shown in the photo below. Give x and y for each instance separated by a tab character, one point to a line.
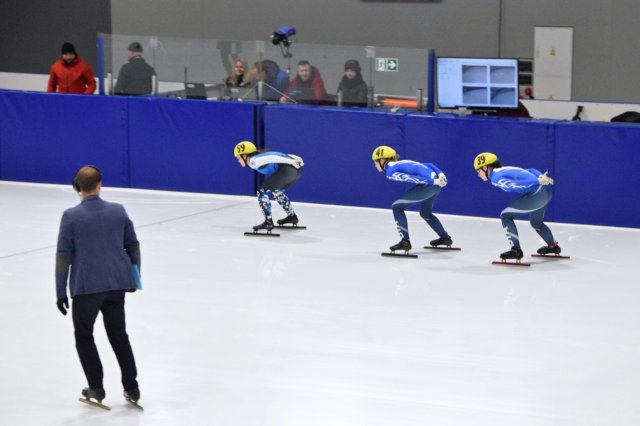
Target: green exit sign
387	64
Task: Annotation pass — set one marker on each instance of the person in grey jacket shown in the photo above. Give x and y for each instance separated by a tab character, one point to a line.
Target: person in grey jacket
136	76
97	241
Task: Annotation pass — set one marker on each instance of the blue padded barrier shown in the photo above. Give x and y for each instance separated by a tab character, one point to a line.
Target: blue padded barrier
187	145
597	164
451	142
336	145
46	137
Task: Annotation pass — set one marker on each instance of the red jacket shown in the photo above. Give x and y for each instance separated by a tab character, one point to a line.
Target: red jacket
75	77
315	82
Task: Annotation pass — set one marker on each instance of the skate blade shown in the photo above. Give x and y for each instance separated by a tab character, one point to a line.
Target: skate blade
260	234
291	227
442	248
135	404
406	255
94	404
551	256
514	263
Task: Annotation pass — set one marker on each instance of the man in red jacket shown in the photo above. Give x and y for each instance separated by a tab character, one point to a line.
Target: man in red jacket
70	74
307	86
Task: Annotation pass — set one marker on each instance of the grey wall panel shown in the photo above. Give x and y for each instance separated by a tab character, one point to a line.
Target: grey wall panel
606	59
406	24
32	31
600	28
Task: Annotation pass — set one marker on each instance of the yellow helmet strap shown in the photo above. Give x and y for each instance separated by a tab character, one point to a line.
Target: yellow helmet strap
383	162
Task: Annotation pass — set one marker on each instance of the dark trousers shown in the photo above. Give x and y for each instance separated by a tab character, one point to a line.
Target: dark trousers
85	311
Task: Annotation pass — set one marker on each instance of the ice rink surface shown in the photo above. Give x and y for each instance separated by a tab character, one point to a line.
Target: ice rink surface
317	329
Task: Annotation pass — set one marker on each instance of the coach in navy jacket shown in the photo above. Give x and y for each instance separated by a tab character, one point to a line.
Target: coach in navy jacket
97	241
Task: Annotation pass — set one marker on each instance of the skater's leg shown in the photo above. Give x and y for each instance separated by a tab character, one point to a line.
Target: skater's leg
426	211
509	227
415	195
284	202
84	311
527	204
115	325
264	202
542	199
401	219
536	219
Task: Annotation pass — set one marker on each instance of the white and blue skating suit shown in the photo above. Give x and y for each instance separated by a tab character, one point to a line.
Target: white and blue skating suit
533	201
425	193
281	171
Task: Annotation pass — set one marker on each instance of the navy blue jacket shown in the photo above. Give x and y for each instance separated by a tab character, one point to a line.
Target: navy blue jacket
98	241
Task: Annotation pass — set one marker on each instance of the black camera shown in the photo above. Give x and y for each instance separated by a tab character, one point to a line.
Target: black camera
282	34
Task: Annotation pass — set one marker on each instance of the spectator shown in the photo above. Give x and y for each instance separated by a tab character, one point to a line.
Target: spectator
353	88
240	76
136	76
70	74
97	246
276	81
310	85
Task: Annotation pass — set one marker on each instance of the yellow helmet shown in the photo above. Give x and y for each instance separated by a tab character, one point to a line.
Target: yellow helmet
383	152
244	148
484	159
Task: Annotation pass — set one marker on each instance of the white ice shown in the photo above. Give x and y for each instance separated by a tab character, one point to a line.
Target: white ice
317	329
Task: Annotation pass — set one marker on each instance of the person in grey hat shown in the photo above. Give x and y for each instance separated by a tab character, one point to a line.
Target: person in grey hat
136	76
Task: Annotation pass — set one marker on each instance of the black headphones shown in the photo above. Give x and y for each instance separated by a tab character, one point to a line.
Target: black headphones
74	183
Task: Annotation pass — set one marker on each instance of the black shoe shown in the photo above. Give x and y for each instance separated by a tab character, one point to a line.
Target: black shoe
550	249
292	219
267	224
402	245
97	394
514	253
132	395
442	241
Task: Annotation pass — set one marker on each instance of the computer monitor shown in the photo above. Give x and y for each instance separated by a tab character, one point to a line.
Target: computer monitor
481	83
195	91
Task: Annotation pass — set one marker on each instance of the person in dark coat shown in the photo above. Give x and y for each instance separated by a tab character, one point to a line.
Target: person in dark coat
136	76
352	86
97	241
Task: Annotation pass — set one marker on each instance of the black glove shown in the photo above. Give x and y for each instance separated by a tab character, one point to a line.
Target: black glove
62	304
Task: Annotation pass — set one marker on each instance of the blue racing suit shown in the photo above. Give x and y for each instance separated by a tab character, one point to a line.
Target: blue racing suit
425	193
533	201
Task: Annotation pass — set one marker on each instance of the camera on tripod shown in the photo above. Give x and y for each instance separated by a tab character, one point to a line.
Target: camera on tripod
282	34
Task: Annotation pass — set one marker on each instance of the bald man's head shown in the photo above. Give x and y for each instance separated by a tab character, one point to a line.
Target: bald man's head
87	179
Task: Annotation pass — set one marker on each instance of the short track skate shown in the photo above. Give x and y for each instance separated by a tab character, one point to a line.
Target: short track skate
403	246
551	256
261	234
291	227
510	262
95	403
266	226
134	404
442	243
290	222
442	248
405	255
